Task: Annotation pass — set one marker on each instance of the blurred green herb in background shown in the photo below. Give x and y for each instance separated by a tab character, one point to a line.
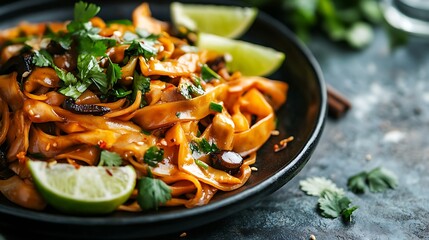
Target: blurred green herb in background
348	21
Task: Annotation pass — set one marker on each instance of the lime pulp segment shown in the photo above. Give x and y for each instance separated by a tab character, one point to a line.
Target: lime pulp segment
226	21
86	189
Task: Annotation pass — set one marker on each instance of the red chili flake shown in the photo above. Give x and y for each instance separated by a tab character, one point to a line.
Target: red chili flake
102	144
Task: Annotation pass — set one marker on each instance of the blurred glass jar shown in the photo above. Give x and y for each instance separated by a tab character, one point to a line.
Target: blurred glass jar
411	16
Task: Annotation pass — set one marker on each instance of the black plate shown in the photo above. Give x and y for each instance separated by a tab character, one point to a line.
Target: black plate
302	117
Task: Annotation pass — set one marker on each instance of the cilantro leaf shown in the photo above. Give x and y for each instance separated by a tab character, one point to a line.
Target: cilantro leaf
380	179
189	90
315	186
153	156
138	48
120	92
42	58
347	213
206	147
207	74
83	12
357	183
152	193
125	22
216	107
113	73
141	83
89	70
333	204
110	159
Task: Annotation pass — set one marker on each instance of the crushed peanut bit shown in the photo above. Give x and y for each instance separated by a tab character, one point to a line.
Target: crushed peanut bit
275	132
140	143
254	169
163	142
183	234
312	237
282	144
48	146
368	157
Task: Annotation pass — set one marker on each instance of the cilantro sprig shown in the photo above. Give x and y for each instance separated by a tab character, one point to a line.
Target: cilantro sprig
110	159
152	192
332	201
203	146
153	156
377	180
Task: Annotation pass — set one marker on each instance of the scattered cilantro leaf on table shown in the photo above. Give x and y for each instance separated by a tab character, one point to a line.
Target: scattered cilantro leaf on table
316	185
377	180
332	201
333	204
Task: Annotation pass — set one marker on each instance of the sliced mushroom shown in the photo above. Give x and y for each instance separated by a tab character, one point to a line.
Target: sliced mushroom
70	105
227	161
5	172
22	64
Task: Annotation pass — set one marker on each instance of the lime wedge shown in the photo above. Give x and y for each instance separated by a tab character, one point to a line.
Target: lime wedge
226	21
83	190
248	58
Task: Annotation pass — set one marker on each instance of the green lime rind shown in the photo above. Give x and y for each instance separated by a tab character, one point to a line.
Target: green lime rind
248	58
226	21
83	190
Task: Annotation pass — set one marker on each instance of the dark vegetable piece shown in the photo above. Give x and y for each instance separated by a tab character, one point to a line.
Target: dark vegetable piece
217	64
70	105
227	161
55	48
5	172
22	63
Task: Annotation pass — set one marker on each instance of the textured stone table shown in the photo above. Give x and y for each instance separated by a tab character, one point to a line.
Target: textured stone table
388	126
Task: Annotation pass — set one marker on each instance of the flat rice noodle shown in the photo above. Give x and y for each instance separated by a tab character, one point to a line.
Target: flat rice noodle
10	91
88	154
193	109
276	90
5	120
251	140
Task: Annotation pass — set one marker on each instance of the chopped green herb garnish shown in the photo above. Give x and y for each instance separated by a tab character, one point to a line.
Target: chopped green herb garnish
334	204
113	73
152	193
147	35
138	48
377	180
110	159
178	114
42	58
141	83
206	147
189	90
146	132
125	22
216	107
194	147
120	92
153	156
207	74
201	164
83	12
